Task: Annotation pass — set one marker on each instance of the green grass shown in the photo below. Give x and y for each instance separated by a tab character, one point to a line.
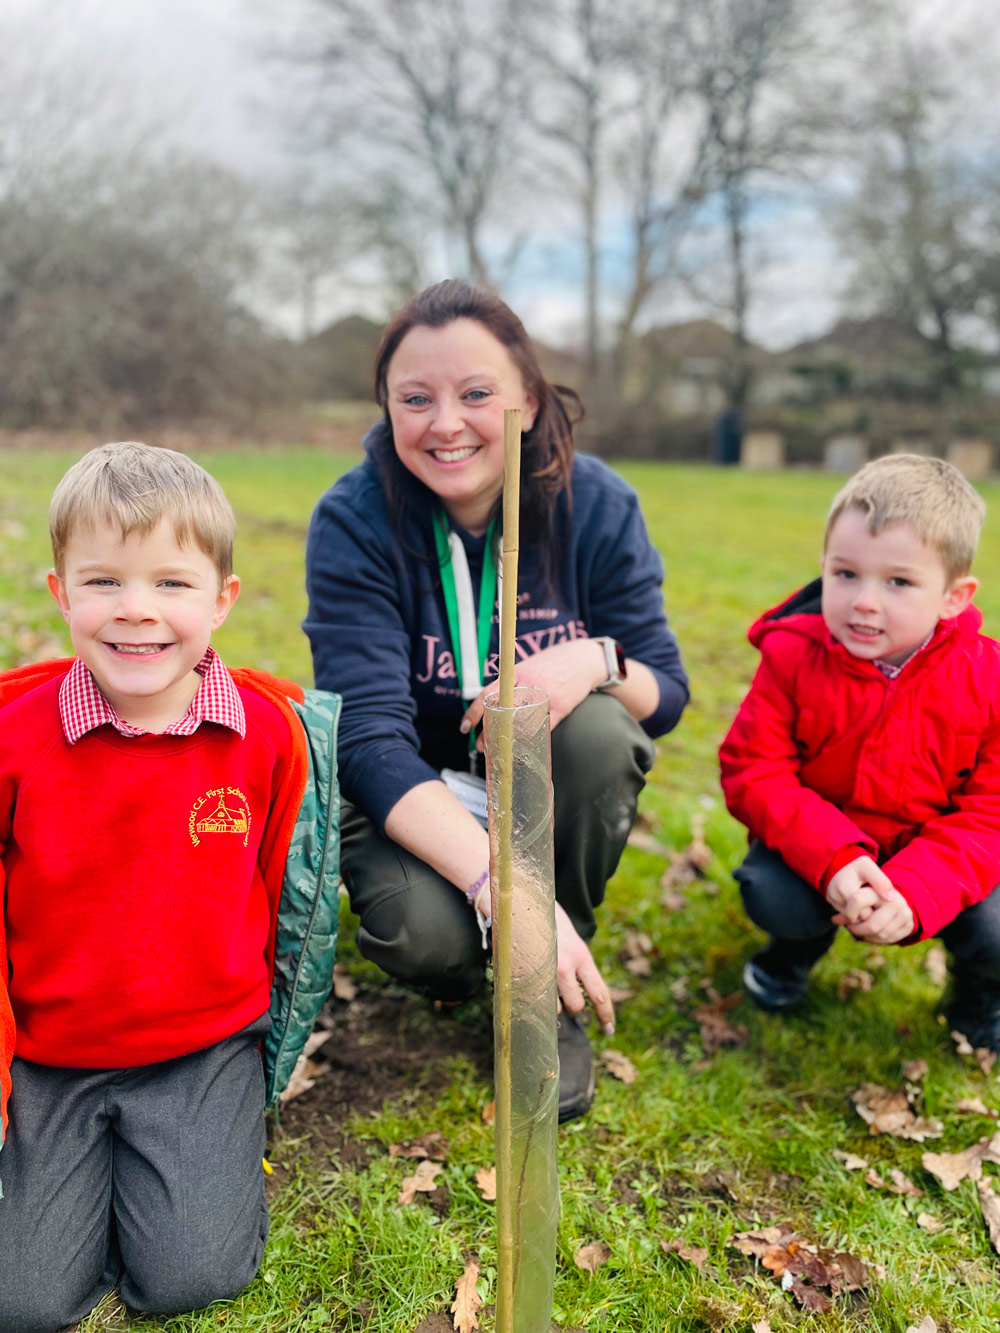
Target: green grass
698	1147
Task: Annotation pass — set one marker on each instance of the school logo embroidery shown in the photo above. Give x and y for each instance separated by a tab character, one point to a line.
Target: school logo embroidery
220	810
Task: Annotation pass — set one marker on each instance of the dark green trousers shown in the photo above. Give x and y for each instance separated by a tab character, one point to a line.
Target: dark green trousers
418	927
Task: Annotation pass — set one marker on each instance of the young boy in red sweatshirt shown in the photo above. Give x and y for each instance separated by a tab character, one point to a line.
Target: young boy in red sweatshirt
865	759
147	803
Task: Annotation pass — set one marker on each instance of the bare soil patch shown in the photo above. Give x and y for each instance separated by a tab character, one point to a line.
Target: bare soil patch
388	1046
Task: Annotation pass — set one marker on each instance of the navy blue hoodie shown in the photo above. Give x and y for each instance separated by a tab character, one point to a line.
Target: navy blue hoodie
379	630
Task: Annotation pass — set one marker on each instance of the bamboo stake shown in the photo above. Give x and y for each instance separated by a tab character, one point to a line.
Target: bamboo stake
503	908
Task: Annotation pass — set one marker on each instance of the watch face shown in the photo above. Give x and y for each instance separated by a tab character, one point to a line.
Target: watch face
620	656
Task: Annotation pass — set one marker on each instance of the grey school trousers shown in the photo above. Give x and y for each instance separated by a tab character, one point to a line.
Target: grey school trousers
418	927
148	1178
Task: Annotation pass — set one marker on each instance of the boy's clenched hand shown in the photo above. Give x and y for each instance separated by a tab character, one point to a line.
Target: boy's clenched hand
868	904
857	890
890	922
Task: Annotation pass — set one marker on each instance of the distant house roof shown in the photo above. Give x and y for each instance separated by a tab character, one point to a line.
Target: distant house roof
696	339
861	340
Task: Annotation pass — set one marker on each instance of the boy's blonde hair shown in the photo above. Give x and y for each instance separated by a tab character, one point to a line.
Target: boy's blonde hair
133	486
929	494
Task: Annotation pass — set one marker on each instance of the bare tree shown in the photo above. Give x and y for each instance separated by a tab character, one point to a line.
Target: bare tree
427	91
580	93
660	162
919	227
122	262
749	59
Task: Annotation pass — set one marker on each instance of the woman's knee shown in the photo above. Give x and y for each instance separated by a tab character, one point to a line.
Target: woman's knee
426	937
600	743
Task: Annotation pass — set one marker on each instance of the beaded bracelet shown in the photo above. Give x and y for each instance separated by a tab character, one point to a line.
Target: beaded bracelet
472	893
483	919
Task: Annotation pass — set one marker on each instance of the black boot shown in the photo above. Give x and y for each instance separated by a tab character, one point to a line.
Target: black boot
576	1068
777	978
974	1008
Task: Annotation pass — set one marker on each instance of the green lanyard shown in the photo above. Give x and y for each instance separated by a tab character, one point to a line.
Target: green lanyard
451	552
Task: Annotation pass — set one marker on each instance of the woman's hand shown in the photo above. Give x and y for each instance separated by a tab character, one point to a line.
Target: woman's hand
577	972
567	672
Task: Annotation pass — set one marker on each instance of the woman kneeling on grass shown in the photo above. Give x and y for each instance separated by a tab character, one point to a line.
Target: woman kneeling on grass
401	551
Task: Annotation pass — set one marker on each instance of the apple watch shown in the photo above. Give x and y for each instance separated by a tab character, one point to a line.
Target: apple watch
614	656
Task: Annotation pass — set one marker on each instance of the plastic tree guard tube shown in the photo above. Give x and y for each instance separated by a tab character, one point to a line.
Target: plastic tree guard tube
524	1007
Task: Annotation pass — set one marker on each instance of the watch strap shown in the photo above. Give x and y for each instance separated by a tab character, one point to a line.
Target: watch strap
614	656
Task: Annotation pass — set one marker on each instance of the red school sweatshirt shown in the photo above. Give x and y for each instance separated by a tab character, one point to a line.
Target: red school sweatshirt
141	876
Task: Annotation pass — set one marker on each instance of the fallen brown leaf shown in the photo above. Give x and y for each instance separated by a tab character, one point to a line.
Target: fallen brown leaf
761	1326
671	899
314	1041
486	1179
694	1254
990	1204
930	1223
855	1271
756	1243
489	1113
591	1257
645	842
423	1181
873	1178
775	1257
467	1302
804	1269
432	1145
856	979
808	1297
698	851
915	1070
716	1030
974	1106
888	1111
637	944
983	1056
850	1160
927	1325
634	953
902	1184
936	964
951	1168
620	1066
343	985
619	994
299	1082
306	1071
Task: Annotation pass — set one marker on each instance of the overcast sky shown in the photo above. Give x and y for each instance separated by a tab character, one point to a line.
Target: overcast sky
197	63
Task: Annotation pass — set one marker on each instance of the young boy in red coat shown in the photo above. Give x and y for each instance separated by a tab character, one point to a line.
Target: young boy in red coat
146	805
865	759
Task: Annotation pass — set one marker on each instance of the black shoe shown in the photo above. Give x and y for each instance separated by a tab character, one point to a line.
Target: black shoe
978	1020
775	985
576	1068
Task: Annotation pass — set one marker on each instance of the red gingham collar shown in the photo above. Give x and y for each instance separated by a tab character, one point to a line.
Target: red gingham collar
890	671
82	706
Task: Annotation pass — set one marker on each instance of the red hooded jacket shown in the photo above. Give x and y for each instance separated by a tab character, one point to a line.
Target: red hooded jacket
826	753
